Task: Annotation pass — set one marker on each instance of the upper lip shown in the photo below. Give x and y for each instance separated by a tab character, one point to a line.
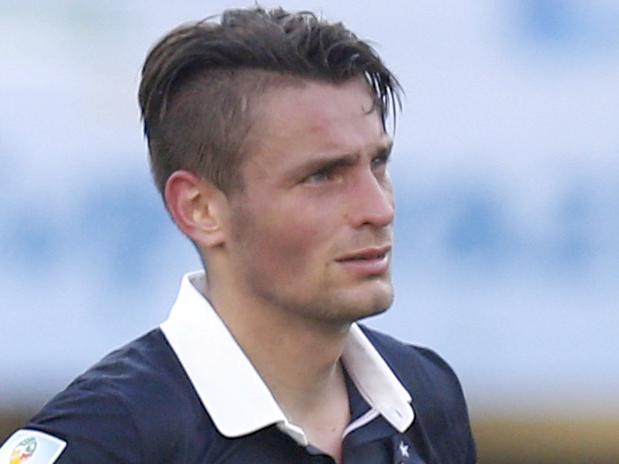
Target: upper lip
366	253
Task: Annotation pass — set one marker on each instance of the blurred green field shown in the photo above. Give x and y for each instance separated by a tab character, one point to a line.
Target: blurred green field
549	440
503	440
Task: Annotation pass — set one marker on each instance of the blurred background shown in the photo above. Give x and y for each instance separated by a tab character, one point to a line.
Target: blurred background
506	170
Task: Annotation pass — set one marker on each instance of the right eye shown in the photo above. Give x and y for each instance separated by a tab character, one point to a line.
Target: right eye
323	175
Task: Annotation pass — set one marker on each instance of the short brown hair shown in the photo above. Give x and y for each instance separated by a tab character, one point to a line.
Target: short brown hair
198	82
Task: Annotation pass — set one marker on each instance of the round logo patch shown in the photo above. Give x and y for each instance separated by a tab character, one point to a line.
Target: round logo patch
24	450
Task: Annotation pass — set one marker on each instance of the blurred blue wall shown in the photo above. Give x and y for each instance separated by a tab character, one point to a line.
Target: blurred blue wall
506	170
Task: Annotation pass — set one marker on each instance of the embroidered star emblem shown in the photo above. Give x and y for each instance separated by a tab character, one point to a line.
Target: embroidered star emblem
403	450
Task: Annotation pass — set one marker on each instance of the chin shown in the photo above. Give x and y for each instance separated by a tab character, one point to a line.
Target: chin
364	304
369	313
378	306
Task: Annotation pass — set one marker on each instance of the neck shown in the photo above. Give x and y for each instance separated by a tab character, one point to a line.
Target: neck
298	359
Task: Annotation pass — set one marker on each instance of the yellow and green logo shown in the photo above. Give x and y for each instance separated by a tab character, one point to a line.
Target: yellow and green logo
24	450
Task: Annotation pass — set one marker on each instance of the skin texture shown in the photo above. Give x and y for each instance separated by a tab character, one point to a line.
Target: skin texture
316	192
303	250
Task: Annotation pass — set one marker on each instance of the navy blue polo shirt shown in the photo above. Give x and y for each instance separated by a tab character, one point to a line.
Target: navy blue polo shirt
161	399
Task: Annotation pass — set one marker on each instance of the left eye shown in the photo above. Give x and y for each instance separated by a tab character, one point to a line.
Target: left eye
380	161
320	176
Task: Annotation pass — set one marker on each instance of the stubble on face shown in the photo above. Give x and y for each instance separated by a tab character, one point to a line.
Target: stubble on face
285	238
324	295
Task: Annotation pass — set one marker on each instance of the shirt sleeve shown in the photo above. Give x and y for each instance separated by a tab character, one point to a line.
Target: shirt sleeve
444	407
97	427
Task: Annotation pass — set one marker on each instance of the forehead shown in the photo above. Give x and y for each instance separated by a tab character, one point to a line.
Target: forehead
301	119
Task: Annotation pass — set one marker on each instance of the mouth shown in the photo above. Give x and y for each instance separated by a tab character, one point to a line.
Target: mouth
369	261
371	253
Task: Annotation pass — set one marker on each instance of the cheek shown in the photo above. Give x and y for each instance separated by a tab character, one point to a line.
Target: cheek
286	235
289	239
294	239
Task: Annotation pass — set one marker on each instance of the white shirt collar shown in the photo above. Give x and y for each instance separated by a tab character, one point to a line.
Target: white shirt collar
232	391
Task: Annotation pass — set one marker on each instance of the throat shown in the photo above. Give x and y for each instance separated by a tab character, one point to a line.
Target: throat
324	419
299	360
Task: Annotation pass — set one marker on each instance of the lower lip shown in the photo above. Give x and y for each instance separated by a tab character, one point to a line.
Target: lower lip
367	267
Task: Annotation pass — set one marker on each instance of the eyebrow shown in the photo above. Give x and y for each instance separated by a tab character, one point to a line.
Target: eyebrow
329	162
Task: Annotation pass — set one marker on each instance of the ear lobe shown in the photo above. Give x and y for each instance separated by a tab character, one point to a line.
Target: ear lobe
194	204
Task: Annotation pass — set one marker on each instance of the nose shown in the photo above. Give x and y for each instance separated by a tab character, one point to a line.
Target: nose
373	201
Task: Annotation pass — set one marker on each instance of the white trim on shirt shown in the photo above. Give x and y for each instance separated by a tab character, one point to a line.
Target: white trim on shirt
231	390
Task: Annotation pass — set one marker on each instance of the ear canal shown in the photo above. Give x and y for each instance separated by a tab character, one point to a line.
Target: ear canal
202	214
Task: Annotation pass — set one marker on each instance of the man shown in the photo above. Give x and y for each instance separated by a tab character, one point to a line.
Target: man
267	138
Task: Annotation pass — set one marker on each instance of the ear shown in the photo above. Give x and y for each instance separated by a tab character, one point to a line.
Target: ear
196	207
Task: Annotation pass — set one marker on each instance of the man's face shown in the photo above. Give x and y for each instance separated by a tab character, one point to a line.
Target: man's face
311	231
